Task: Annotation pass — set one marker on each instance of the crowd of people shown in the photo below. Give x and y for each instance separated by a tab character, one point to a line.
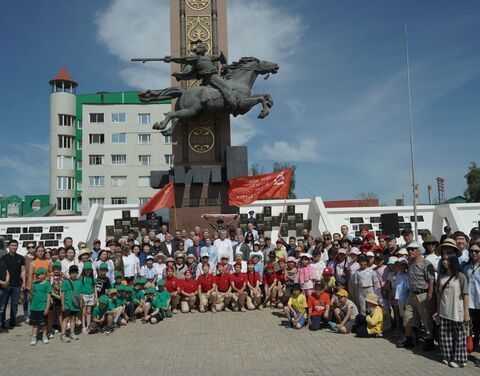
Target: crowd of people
365	285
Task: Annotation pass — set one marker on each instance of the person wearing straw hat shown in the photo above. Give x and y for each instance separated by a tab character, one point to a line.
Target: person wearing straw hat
370	325
84	256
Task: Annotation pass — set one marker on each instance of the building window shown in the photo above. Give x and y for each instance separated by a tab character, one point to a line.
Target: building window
79	203
79	165
356	220
96	181
143	139
64	162
66	120
143	200
65	142
97	138
144	181
144	160
119	138
118	117
64	183
97	118
419	218
143	118
119	159
167	139
79	186
119	181
64	203
95	159
119	200
79	124
96	200
79	144
168	158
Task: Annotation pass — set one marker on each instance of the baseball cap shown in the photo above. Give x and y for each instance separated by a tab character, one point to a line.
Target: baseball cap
392	260
413	245
291	259
327	271
103	266
342	251
87	266
407	231
354	251
161	282
403	252
370	254
40	271
57	264
149	257
342	293
357	241
118	274
319	239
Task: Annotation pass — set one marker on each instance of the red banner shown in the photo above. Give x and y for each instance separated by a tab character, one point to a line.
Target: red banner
164	198
247	189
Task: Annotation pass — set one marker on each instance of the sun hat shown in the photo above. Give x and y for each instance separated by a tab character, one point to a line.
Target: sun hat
430	239
83	251
307	255
370	254
372	298
413	245
291	259
450	244
342	251
342	293
112	291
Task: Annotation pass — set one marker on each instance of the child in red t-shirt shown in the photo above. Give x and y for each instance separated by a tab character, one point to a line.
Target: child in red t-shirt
270	282
318	307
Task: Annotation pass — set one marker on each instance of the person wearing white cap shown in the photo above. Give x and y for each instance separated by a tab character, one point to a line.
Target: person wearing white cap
339	265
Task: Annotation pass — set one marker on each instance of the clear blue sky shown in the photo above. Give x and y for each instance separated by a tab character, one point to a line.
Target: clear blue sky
340	109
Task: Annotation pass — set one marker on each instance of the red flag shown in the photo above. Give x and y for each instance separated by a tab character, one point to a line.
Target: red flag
247	189
163	198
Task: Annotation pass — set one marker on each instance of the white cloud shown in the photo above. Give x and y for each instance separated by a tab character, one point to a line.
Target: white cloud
290	151
24	168
131	29
242	130
128	30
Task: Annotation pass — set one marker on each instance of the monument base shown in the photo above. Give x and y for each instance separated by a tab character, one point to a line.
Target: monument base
193	200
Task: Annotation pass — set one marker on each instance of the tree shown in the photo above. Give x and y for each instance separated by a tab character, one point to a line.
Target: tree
278	166
255	169
365	196
472	193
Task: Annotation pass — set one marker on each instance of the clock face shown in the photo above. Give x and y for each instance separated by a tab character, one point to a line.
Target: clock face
201	140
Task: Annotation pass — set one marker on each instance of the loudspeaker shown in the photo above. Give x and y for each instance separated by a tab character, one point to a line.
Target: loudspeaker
236	161
159	179
197	174
216	174
390	224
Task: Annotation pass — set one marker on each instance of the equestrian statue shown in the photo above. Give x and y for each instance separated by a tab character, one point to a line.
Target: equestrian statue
227	92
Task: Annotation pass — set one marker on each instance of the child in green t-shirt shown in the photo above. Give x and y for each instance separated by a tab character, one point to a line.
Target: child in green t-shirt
89	294
151	308
118	306
40	295
102	316
71	302
118	280
138	297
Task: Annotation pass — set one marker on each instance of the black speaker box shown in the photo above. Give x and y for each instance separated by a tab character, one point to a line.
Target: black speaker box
390	224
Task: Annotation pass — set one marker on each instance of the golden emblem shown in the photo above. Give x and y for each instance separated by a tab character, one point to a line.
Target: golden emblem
201	140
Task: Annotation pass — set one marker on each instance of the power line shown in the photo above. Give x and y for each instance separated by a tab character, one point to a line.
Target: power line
22	99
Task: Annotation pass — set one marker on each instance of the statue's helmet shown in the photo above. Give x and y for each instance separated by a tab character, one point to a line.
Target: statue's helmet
200	48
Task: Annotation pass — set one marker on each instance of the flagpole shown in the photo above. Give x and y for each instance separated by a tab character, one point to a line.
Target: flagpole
175	212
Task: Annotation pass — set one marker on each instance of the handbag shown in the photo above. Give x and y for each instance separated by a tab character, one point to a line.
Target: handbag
75	296
469	338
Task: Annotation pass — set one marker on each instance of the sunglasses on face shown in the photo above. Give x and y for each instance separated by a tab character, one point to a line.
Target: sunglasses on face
475	251
30	247
327	237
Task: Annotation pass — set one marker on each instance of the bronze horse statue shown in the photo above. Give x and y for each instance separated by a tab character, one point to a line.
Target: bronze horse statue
240	76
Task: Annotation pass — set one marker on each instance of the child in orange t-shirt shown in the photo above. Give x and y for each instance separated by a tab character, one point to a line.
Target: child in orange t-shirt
318	307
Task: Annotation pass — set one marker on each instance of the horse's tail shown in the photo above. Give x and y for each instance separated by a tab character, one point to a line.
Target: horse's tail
158	95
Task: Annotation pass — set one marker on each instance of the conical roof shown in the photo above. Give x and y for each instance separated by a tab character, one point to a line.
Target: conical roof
63	75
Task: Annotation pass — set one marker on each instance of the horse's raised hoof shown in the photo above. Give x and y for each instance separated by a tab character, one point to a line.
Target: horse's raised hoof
269	104
167	132
158	126
262	114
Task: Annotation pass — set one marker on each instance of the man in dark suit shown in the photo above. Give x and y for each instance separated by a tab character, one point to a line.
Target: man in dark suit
195	248
242	247
166	247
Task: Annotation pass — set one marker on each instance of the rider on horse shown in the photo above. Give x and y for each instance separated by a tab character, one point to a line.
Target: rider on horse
203	67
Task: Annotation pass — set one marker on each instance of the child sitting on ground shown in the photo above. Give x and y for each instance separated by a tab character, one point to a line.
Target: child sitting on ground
345	313
318	307
370	325
296	309
102	316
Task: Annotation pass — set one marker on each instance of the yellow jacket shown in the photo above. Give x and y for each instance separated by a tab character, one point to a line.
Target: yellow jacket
375	321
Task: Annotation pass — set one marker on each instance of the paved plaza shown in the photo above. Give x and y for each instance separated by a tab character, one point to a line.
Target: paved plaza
250	343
